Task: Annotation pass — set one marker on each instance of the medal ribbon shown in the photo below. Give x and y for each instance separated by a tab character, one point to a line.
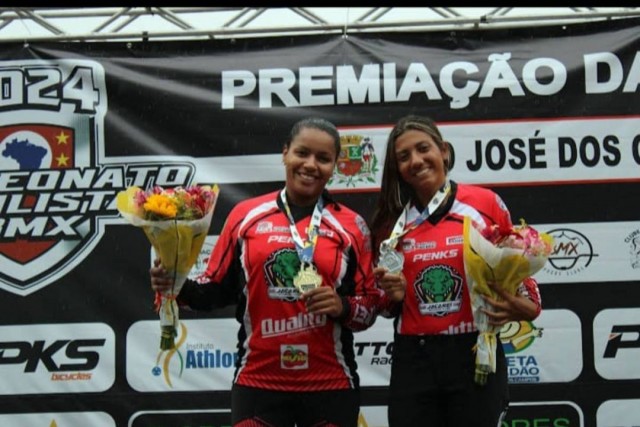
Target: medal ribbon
399	230
304	248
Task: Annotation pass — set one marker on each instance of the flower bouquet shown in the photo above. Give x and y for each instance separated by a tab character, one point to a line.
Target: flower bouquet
505	256
176	222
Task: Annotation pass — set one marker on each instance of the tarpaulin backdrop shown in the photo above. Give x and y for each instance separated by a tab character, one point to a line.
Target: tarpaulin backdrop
548	117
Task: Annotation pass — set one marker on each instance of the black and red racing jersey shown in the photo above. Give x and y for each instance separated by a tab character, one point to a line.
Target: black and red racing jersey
281	346
437	300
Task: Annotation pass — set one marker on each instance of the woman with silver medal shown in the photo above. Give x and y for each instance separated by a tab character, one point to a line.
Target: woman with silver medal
298	266
417	229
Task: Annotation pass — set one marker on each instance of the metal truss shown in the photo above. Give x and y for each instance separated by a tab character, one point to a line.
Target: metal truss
21	24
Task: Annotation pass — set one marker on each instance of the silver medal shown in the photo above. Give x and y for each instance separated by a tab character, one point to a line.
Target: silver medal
392	260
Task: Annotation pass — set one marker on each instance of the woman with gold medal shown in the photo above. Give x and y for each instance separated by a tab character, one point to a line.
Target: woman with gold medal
299	267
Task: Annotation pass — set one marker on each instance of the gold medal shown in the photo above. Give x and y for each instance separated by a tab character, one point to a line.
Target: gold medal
307	278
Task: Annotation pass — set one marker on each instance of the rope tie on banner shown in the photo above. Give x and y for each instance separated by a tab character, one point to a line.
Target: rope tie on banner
346	25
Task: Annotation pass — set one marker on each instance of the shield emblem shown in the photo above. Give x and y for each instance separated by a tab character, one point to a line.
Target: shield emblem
32	156
350	158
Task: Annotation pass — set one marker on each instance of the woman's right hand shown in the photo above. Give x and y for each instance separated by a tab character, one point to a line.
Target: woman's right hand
394	285
160	280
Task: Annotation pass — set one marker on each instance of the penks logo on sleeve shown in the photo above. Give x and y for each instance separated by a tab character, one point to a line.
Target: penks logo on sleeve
57	189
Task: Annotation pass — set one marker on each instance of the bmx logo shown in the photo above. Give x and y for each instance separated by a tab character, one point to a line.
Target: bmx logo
50	196
633	240
572	252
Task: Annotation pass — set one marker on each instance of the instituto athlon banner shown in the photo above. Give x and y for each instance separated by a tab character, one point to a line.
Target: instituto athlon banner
548	117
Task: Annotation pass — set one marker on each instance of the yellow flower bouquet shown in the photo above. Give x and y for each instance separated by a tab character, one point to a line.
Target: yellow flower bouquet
505	257
176	221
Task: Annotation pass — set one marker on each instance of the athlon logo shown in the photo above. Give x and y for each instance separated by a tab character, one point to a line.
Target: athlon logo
572	252
56	190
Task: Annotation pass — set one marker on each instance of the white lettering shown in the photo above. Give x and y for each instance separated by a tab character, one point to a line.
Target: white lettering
596	61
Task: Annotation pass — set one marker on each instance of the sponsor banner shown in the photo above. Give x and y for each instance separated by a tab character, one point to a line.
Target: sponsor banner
619	413
373	416
509	152
547	414
520	414
582	253
182	418
536	352
204	357
370	416
592	252
546	350
616	343
548	115
373	349
56	358
58	419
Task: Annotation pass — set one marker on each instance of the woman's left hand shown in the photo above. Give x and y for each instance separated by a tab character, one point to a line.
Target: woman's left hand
323	300
508	308
394	285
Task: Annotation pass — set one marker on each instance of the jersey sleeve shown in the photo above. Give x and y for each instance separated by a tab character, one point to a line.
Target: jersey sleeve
362	304
529	289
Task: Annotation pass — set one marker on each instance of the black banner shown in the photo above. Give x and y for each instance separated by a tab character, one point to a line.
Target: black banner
548	117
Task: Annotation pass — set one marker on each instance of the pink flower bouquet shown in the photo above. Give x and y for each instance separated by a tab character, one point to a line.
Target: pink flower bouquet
505	257
176	222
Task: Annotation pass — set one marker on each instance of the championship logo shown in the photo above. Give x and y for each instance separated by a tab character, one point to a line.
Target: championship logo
52	118
357	161
57	189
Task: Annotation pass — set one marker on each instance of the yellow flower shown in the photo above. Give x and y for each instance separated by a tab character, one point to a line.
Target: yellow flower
161	205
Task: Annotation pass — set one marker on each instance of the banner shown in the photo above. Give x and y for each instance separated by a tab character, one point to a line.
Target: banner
548	117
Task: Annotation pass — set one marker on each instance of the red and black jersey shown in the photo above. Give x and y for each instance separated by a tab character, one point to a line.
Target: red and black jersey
281	346
437	299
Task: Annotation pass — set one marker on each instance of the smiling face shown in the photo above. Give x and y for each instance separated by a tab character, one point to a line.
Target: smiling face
421	163
309	162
